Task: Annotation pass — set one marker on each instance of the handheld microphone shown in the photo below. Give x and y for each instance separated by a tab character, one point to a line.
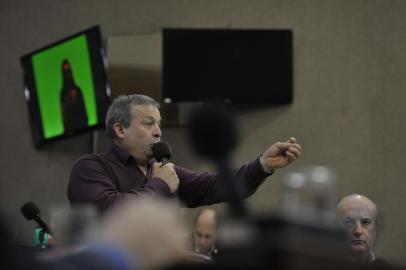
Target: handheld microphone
162	152
31	211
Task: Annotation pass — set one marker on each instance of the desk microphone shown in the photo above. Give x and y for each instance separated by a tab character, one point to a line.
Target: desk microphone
31	211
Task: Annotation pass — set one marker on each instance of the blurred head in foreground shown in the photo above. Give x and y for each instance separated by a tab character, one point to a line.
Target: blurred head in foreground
147	230
359	216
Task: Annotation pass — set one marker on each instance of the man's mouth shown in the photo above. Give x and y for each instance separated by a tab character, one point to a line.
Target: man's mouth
358	242
148	149
154	142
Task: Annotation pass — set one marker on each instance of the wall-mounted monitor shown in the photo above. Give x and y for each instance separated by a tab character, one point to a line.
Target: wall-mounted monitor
239	66
66	87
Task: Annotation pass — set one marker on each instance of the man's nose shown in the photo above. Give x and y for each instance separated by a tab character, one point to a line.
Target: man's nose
357	231
157	132
202	240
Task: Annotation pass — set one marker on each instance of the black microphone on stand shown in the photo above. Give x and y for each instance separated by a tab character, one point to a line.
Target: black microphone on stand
31	211
213	135
162	152
212	132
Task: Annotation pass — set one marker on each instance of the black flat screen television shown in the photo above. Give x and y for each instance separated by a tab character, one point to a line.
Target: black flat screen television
66	87
238	66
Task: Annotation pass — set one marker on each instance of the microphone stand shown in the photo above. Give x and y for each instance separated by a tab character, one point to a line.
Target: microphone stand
42	238
237	206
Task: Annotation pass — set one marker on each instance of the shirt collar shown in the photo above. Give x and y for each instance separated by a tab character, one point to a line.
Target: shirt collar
371	257
123	155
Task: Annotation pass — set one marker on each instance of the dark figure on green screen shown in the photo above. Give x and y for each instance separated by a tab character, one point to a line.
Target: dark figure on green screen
73	106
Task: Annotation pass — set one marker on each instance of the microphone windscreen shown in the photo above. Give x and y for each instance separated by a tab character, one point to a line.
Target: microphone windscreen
30	210
161	150
212	131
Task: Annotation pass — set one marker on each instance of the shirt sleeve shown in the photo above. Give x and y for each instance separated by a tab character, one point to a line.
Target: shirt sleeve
92	182
198	189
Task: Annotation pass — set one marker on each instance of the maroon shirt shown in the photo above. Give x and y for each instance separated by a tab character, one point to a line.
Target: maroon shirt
108	178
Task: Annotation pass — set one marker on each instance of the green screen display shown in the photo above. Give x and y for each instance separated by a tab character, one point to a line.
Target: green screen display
49	82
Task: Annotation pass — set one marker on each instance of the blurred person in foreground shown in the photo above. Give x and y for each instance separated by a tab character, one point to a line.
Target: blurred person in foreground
359	216
144	233
205	232
129	169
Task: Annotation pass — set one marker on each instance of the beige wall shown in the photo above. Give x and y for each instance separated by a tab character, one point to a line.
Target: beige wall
348	113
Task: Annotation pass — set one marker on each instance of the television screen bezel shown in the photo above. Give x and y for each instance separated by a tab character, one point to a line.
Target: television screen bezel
166	91
99	69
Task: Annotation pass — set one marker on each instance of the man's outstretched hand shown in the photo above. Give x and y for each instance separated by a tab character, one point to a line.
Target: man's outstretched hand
280	154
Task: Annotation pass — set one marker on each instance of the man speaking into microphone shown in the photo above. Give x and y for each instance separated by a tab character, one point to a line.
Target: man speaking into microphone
129	168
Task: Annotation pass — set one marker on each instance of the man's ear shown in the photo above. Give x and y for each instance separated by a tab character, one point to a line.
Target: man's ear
119	130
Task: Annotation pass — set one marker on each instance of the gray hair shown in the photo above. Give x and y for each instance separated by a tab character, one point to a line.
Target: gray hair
120	111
